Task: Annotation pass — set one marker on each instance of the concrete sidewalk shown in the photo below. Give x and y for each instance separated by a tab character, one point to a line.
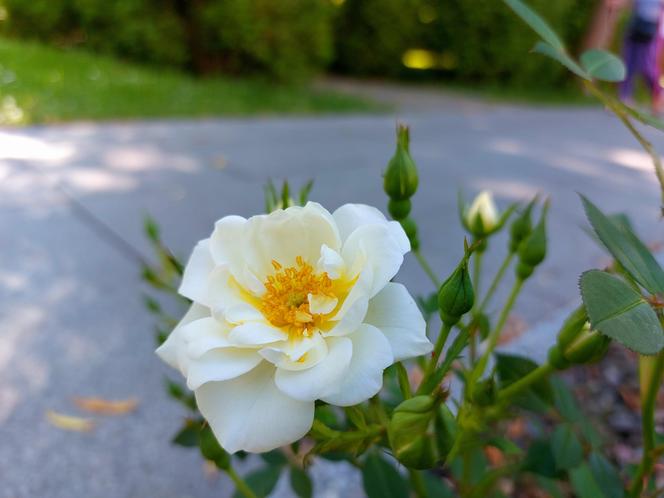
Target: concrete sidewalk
71	318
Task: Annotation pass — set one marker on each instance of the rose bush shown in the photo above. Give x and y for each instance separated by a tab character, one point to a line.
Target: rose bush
288	308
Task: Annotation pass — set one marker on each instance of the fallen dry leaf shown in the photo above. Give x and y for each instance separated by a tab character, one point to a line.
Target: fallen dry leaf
68	422
106	407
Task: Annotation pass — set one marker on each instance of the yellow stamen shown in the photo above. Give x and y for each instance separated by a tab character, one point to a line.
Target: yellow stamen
285	303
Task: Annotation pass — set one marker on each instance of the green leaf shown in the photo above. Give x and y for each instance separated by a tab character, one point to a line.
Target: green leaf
211	449
606	476
436	487
564	401
151	229
566	447
603	65
381	480
505	445
540	460
261	481
301	483
626	247
511	368
561	56
305	191
584	483
618	311
188	436
536	23
275	458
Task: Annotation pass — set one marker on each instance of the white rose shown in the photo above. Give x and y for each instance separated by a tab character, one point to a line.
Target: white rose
484	211
289	308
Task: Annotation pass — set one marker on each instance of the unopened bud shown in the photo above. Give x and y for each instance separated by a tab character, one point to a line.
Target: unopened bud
456	295
410	435
399	210
482	216
401	180
532	249
589	347
410	227
521	226
577	343
446	430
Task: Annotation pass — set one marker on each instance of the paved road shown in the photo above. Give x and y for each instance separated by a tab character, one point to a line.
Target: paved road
71	321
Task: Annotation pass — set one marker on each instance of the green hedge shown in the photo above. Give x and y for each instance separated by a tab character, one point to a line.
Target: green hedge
285	39
471	40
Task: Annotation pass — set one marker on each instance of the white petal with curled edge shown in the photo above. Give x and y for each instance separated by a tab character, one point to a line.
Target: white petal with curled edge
249	413
331	262
350	217
376	247
396	314
196	273
256	334
364	377
321	380
321	304
173	350
201	336
221	364
224	241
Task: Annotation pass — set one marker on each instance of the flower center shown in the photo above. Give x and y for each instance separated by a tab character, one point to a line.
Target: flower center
286	301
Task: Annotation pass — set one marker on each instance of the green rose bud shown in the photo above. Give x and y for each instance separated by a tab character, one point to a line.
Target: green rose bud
446	430
521	226
456	296
577	343
399	209
572	327
532	250
410	432
482	216
401	180
589	347
410	227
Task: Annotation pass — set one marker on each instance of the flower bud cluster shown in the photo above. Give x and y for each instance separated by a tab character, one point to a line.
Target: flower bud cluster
400	184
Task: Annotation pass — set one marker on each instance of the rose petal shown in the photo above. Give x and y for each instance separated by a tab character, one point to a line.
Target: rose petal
321	380
196	273
364	376
221	364
396	314
174	351
249	413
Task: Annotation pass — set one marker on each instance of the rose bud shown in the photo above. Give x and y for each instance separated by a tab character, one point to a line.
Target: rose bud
401	175
532	249
456	295
410	432
521	226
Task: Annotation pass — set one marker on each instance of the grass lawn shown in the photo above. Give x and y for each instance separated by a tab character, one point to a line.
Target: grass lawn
39	84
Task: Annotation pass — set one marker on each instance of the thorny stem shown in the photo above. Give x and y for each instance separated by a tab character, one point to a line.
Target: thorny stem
648	426
427	268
